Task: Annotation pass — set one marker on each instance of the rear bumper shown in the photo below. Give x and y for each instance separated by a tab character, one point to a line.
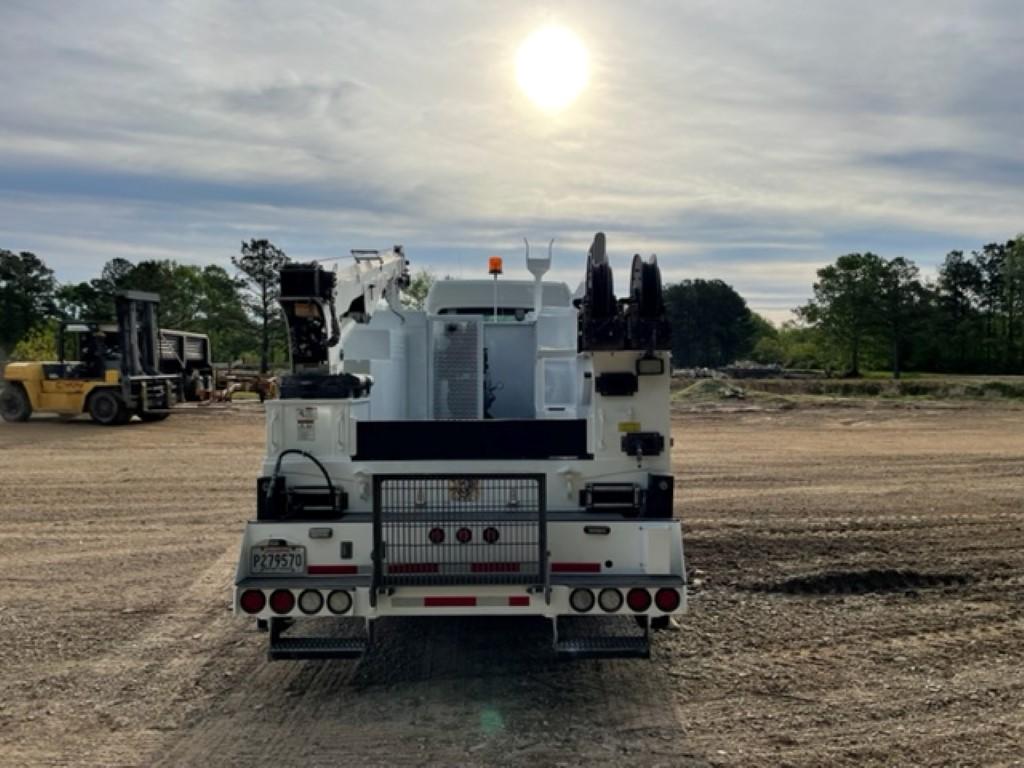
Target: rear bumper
583	557
466	600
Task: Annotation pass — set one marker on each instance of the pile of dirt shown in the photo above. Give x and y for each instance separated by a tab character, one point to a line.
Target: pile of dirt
719	394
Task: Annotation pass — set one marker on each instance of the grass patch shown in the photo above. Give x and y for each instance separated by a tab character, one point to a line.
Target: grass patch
953	388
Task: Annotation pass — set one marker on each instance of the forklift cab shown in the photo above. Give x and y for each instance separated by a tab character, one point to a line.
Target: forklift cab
85	351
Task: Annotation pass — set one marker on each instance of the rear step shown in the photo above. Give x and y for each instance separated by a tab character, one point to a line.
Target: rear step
283	648
601	638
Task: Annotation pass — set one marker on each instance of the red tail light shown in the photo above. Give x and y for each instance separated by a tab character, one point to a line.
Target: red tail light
464	535
282	601
491	535
436	535
666	599
252	601
639	600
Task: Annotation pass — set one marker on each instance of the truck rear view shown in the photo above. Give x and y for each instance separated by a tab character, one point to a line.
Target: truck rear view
503	451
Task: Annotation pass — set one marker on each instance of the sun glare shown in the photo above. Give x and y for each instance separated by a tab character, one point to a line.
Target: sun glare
551	68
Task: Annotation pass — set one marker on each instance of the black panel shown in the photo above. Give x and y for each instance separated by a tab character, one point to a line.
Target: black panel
324	386
302	280
274	507
617	384
659	497
297	502
648	443
470	440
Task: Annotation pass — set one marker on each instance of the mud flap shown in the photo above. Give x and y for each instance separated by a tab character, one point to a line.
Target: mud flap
604	637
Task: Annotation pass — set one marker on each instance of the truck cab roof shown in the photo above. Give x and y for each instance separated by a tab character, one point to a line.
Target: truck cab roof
462	296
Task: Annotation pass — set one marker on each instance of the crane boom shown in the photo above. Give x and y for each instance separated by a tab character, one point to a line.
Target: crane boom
314	298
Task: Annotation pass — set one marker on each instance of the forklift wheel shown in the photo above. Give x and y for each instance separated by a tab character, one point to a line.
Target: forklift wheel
153	416
107	408
14	403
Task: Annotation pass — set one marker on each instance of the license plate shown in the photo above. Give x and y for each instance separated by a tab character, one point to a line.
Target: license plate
266	560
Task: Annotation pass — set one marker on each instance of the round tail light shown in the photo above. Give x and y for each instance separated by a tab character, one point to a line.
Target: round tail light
610	600
666	599
311	601
639	600
339	601
581	600
436	535
491	535
252	600
282	601
464	535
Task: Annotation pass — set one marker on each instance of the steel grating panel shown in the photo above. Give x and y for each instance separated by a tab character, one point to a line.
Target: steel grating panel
457	369
459	529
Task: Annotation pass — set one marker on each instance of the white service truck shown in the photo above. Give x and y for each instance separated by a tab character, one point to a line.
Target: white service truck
503	451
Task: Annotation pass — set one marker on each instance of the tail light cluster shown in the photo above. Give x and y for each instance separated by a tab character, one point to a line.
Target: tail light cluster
463	535
283	601
637	600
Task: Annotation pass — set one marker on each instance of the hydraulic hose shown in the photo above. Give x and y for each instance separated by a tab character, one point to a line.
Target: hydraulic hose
311	457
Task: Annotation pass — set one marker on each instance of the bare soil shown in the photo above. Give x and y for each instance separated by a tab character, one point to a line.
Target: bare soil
858	599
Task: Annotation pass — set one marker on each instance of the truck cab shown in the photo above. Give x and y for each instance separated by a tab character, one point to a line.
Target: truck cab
503	451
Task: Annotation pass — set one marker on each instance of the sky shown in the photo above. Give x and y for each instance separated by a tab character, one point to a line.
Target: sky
748	141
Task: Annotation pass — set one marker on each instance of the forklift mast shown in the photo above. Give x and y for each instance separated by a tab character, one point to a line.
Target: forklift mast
139	330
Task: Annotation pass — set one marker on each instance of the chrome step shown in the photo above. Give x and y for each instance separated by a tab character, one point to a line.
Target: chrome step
604	648
594	637
298	648
285	648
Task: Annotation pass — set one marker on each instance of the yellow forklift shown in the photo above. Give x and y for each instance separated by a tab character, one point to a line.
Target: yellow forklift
115	371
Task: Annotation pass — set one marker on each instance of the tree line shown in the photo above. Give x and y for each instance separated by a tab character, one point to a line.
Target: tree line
237	310
866	312
876	313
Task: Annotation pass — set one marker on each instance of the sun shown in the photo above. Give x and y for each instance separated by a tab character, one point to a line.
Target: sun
551	68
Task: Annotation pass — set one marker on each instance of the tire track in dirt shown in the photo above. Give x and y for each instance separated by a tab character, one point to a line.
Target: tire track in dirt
141	681
468	692
930	677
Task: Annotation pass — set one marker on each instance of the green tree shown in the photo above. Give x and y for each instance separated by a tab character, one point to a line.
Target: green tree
27	289
991	266
40	343
94	299
959	289
899	305
222	315
415	296
846	306
711	323
84	301
1013	301
259	263
180	287
803	346
766	348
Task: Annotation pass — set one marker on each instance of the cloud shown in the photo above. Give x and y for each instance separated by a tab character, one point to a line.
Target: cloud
749	141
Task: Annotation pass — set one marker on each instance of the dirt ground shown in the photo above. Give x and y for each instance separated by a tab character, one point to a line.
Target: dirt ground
857	599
